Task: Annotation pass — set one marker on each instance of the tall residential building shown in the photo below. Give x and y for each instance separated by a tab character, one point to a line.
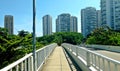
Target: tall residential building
110	13
57	25
88	20
47	25
8	23
98	18
73	24
63	23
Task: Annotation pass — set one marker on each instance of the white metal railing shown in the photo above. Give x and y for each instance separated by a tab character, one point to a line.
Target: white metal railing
104	47
26	63
93	59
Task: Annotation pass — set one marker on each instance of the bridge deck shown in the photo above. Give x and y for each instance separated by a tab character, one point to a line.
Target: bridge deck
57	61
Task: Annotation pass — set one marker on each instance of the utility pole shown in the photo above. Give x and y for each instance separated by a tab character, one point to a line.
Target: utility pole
34	38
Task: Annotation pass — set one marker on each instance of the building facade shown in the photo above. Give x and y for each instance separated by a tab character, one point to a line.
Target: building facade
73	24
57	25
63	23
98	18
110	13
47	25
66	23
8	23
88	20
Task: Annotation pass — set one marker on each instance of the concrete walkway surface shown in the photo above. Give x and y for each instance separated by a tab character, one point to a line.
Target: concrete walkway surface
56	61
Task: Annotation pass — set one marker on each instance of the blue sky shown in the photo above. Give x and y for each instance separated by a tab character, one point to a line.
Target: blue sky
22	11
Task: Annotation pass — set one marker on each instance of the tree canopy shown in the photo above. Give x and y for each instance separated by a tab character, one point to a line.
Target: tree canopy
62	37
104	36
23	33
13	47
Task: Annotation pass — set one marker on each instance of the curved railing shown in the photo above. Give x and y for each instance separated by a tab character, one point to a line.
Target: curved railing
104	47
92	59
26	63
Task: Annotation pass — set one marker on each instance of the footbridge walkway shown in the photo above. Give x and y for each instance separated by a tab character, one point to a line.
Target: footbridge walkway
55	58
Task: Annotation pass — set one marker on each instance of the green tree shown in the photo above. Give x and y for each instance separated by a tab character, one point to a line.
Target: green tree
58	40
104	36
3	32
23	33
62	37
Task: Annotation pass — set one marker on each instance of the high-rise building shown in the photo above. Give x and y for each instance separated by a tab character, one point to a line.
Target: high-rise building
110	13
66	23
63	23
57	25
73	24
98	18
88	20
47	25
8	23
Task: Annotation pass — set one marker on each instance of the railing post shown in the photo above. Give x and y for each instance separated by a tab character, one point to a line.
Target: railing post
49	50
116	67
103	66
71	48
99	63
22	66
88	59
29	64
25	65
109	66
32	63
17	68
76	51
45	55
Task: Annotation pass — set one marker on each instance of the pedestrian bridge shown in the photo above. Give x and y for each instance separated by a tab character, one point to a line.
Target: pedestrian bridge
66	58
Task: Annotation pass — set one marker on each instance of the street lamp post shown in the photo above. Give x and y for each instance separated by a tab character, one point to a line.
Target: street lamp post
34	38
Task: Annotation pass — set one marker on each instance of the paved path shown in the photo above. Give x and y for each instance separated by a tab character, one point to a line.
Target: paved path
57	61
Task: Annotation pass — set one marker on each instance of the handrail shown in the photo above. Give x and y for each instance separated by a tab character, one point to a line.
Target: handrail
104	47
26	63
93	59
16	63
109	59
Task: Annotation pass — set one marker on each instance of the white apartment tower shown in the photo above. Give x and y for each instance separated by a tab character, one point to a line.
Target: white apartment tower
47	25
88	20
98	18
63	23
73	24
66	23
110	13
8	23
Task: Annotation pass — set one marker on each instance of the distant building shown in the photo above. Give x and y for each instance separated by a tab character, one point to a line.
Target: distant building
88	20
57	25
63	23
98	18
73	24
110	13
8	23
66	23
47	25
